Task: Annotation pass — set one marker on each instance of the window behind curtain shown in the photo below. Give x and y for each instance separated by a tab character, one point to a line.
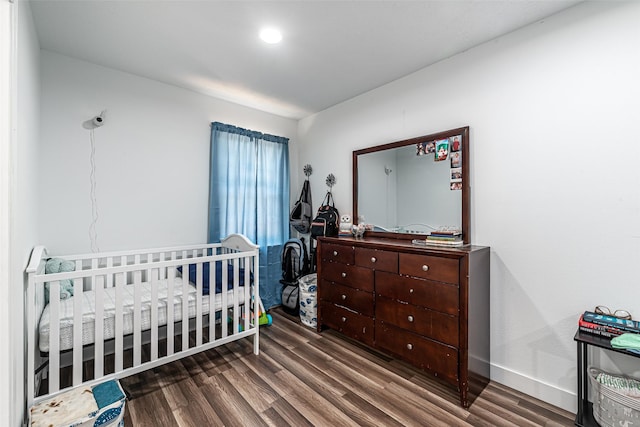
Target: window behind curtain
249	194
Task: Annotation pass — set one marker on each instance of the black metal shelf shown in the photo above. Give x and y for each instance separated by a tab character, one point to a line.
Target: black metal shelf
584	417
587	417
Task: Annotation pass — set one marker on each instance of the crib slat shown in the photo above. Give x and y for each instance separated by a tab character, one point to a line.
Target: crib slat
212	300
171	277
224	314
121	281
236	295
98	365
78	315
199	272
54	336
185	308
78	295
154	313
109	277
162	272
137	321
248	318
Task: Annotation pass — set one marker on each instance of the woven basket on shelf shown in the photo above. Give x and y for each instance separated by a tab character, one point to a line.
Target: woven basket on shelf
616	399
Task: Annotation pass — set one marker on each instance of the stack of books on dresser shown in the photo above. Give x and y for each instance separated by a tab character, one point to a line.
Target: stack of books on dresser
606	326
445	237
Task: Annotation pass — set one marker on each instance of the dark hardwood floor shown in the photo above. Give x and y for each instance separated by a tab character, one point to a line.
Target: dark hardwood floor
302	378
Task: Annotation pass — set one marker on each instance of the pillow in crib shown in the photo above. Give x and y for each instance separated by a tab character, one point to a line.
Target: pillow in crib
205	276
59	265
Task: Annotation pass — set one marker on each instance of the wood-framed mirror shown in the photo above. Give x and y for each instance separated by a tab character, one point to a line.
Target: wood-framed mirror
406	189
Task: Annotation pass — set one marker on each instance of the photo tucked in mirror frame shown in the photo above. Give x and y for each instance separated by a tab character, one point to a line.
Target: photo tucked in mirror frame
412	188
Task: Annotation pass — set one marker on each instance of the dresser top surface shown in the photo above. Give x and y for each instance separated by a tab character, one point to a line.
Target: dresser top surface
404	245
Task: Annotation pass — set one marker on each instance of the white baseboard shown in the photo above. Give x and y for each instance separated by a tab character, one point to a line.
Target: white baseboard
564	399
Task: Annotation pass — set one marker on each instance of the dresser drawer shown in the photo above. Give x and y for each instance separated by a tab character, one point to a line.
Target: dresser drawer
348	275
438	358
337	253
432	324
351	298
438	296
354	325
430	267
377	259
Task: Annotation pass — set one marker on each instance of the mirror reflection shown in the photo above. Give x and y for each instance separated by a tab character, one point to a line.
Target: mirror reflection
414	186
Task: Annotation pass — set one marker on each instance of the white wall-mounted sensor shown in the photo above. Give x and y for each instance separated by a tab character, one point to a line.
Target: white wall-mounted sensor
96	121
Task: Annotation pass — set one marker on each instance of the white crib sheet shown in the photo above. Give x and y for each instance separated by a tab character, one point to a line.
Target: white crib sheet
109	298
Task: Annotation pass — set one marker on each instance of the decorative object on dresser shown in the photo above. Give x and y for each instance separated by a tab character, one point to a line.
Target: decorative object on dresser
358	230
427	306
345	225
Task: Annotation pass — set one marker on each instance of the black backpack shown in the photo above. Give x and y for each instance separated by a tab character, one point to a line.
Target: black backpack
300	217
327	220
295	264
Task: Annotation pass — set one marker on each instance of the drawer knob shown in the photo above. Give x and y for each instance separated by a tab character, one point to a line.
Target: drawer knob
410	318
373	259
344	275
409	346
411	290
335	253
344	297
344	319
425	268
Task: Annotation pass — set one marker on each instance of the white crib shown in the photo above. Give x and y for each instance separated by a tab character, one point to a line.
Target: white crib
127	310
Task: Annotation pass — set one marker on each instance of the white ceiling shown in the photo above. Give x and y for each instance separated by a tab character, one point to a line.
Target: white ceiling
331	51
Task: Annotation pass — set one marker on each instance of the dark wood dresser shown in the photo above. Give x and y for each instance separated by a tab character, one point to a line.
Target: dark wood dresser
428	306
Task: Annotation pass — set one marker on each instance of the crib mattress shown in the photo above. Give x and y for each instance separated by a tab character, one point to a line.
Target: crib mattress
109	298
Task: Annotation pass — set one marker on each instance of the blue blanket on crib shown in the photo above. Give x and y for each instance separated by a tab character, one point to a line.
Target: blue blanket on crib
205	276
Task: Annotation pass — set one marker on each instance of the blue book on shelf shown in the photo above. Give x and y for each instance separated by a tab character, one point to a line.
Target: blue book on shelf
603	319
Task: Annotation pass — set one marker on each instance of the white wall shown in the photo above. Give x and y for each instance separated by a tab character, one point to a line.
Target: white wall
552	110
7	68
20	171
152	157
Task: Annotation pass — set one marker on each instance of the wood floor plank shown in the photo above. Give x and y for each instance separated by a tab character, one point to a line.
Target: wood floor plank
151	410
370	370
274	419
500	414
197	413
283	414
313	376
369	414
396	407
282	386
432	411
316	408
446	398
229	405
436	388
292	338
302	378
256	392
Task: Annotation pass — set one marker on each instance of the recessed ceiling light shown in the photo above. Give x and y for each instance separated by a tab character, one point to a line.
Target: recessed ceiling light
271	35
